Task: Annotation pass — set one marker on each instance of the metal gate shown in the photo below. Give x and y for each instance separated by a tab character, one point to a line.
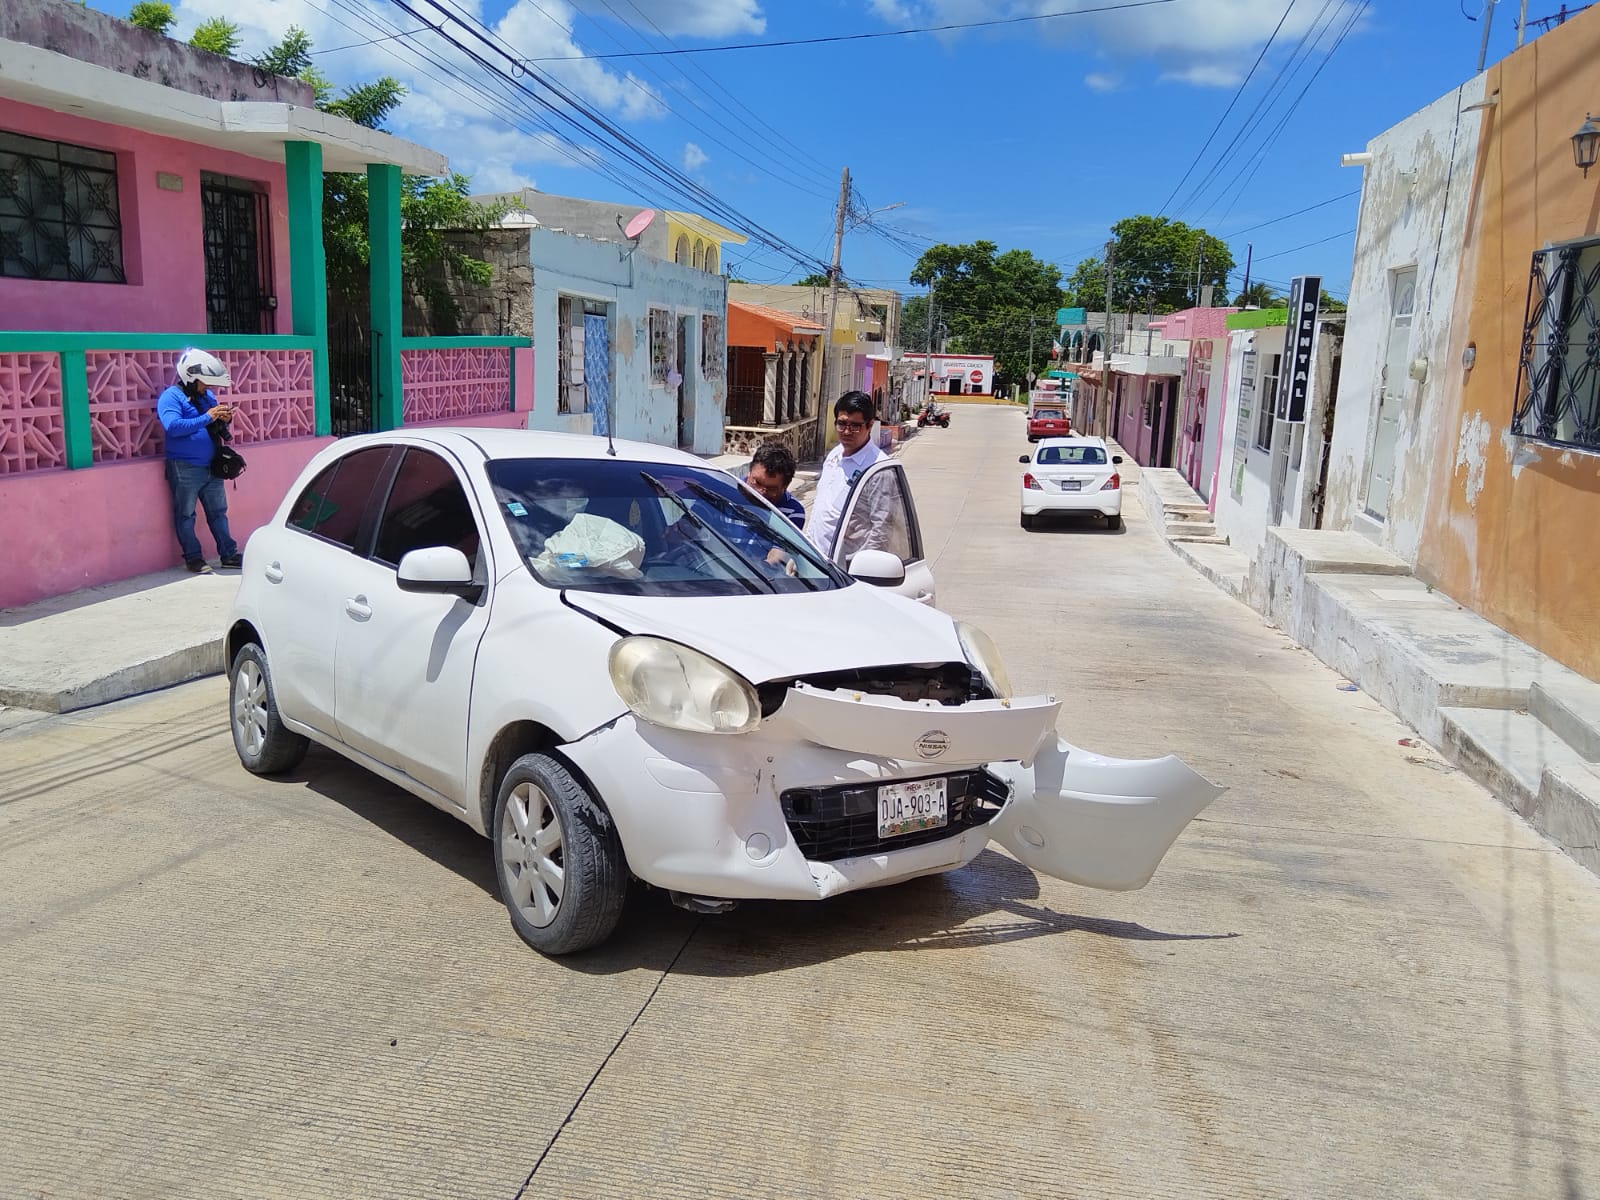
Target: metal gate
236	230
350	372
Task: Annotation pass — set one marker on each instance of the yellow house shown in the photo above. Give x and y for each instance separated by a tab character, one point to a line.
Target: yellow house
697	242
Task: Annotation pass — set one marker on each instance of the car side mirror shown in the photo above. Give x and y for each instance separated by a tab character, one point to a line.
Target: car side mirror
1024	458
1116	458
878	567
441	569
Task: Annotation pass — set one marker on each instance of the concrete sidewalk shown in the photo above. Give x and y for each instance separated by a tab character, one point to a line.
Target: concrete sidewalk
1517	721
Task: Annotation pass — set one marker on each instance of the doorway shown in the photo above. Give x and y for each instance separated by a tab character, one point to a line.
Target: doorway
685	383
1392	388
1169	422
236	234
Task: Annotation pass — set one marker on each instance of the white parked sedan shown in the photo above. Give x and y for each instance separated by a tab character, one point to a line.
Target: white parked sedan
1072	475
631	665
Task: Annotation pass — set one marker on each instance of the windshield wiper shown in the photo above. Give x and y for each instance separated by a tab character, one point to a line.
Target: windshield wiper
734	512
666	493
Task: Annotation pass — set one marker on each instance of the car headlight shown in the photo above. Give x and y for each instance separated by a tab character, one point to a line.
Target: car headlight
679	688
982	653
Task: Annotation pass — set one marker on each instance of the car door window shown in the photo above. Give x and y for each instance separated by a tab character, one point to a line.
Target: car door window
879	518
427	506
332	504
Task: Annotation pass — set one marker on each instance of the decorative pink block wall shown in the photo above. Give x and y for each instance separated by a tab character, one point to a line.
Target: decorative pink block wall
162	252
70	529
439	385
32	436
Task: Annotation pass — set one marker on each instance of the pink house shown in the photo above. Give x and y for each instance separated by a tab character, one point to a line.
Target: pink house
1157	399
139	217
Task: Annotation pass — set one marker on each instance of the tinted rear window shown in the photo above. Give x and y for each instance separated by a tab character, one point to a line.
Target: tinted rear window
1071	456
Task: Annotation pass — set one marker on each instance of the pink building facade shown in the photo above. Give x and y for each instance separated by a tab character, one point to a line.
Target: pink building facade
143	221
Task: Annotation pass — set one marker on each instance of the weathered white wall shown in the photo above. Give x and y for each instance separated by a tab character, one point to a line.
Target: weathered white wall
631	283
1414	206
1243	520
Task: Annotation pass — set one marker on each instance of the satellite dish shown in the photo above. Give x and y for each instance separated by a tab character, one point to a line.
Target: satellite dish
639	224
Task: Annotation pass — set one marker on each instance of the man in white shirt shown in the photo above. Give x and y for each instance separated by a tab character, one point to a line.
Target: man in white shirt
853	415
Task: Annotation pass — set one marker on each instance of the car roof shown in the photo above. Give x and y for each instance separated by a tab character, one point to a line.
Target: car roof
468	442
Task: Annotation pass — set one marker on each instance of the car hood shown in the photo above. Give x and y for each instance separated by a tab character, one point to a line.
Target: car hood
781	637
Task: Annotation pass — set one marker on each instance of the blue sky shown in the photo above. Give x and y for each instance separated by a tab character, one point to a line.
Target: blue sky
1036	135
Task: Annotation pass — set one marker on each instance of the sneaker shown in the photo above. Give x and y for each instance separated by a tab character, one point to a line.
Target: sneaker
231	562
197	566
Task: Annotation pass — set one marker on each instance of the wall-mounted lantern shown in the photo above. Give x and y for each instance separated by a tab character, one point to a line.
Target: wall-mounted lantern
1586	144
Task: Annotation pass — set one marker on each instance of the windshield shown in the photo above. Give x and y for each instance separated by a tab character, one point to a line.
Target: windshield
651	529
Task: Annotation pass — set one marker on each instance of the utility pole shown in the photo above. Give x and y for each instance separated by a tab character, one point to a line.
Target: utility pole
1199	267
1488	20
833	303
1522	24
1249	257
1030	345
927	351
1111	251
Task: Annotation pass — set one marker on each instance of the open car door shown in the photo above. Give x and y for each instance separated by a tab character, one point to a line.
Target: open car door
879	515
1095	821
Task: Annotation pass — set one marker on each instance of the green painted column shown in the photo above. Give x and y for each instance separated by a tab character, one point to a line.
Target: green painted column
75	409
383	240
308	268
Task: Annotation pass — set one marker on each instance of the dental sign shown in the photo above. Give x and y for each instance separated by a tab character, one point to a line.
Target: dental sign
1294	380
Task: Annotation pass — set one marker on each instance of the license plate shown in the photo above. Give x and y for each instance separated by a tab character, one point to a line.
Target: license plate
910	807
1071	485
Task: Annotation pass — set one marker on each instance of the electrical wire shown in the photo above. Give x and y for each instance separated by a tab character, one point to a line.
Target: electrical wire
885	33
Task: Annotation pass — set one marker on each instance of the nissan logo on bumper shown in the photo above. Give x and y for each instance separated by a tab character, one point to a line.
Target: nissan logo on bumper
933	743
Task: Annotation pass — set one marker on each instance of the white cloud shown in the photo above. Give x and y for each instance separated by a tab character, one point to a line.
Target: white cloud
687	18
694	158
891	11
1102	81
1199	42
479	134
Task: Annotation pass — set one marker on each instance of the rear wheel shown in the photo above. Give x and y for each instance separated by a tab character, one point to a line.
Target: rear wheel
1027	521
1114	523
557	857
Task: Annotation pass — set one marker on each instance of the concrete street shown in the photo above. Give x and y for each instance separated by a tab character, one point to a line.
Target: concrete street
1358	975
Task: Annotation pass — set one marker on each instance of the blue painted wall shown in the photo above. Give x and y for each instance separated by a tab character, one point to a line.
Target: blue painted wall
630	284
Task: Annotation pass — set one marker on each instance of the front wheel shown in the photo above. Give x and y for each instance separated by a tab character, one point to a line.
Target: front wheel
557	857
264	744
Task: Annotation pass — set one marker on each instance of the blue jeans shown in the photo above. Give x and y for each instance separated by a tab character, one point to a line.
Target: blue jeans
190	482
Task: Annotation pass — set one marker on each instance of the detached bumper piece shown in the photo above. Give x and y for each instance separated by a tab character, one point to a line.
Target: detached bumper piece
834	823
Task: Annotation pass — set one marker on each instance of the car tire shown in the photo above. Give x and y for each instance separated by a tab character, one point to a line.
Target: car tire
264	744
1027	521
557	858
1114	524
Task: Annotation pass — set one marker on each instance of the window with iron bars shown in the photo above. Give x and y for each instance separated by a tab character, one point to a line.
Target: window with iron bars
713	354
662	347
59	213
1267	397
1558	377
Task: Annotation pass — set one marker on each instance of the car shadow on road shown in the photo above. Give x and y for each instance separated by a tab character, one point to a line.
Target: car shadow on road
1075	523
991	901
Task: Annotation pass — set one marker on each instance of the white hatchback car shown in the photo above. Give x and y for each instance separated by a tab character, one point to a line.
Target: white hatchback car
1072	475
632	665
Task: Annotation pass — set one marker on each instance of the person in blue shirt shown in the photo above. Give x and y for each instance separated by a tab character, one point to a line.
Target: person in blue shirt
189	411
771	472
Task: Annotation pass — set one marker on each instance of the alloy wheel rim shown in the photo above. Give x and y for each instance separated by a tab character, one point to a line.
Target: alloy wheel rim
532	852
250	707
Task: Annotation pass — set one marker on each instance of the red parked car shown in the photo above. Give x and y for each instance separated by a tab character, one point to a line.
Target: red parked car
1048	420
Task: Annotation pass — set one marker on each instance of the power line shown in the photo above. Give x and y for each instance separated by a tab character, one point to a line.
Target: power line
1297	212
862	37
1293	249
1243	83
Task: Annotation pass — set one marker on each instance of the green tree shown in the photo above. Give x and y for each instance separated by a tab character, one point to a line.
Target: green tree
815	279
217	35
1258	295
1156	263
428	207
155	15
1331	305
991	303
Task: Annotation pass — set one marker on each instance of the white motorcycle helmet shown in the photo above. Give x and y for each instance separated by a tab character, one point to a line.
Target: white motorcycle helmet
207	368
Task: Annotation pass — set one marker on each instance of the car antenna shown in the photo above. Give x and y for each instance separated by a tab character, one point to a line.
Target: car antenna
611	446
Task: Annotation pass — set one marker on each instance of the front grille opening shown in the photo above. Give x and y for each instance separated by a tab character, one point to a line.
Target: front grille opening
945	683
842	822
